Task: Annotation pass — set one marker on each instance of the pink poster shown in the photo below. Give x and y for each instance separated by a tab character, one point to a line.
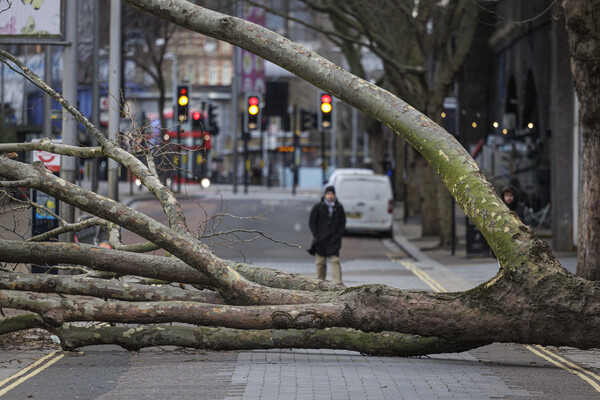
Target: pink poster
253	67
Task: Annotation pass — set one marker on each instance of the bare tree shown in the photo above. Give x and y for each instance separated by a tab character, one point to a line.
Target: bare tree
532	298
149	40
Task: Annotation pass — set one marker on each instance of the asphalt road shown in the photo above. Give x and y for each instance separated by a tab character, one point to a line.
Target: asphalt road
260	229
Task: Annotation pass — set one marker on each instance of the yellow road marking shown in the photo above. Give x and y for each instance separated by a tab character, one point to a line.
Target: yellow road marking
590	373
540	351
567	366
21	372
436	287
34	372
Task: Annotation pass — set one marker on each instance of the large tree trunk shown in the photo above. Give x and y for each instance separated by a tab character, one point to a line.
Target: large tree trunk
584	38
532	299
430	219
445	204
414	177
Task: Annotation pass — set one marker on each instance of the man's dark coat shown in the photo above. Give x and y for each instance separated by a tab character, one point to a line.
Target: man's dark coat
327	230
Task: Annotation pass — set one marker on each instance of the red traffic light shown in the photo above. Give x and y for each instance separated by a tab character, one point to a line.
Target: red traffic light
326	103
252	113
253	105
196	115
182	91
325	116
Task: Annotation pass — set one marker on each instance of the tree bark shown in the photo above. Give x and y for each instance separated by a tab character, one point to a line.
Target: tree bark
107	289
135	338
584	42
430	220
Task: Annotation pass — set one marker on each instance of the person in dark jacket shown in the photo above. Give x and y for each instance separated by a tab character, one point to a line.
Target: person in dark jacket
327	223
511	199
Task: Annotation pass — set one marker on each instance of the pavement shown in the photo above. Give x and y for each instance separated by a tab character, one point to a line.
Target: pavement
338	374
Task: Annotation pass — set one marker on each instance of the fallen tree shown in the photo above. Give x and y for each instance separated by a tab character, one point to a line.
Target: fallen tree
532	298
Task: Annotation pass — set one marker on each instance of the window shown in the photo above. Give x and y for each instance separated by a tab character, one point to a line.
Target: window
213	74
226	78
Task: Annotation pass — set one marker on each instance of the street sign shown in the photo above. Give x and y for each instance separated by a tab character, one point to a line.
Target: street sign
50	160
104	103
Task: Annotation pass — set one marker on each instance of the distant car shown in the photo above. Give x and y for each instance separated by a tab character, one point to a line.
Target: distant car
347	171
368	201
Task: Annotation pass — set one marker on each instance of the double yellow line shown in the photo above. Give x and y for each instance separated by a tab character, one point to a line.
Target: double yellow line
588	376
540	351
29	372
436	287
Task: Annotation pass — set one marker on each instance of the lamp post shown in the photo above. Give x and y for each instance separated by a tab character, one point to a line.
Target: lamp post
173	58
174	81
114	87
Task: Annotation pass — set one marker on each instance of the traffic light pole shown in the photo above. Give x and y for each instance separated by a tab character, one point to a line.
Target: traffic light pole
405	184
179	129
297	156
235	154
326	122
323	154
246	137
295	144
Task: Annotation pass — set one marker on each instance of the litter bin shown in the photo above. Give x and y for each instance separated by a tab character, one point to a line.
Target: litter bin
476	243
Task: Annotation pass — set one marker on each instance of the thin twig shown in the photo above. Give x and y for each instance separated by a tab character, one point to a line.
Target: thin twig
251	231
72	227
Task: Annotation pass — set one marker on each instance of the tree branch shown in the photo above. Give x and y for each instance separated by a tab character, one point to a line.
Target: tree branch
151	181
46	144
72	227
57	311
107	289
168	269
134	338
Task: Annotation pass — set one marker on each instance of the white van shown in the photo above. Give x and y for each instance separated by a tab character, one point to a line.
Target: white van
344	171
368	201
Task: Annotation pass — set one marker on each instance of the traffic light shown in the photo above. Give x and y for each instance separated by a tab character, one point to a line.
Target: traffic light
183	101
326	110
213	127
197	122
308	120
252	113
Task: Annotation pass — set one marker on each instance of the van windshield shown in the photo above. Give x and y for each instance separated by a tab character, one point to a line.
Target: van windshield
367	189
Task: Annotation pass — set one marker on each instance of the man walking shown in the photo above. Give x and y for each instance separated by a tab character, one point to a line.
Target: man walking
327	222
